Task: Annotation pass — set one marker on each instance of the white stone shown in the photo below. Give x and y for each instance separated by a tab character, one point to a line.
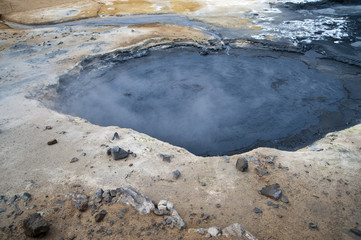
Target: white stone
214	231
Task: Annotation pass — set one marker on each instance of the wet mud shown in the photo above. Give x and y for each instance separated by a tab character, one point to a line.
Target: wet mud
224	102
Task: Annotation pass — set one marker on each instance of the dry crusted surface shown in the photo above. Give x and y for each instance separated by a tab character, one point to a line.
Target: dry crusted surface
33	59
223	13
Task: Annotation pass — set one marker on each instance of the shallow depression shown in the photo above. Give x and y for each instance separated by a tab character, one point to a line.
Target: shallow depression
214	104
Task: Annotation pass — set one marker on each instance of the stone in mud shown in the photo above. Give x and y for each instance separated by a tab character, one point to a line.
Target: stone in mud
166	157
115	136
2	210
257	210
315	148
98	196
214	232
176	174
119	153
25	196
52	142
12	200
74	159
107	197
236	230
260	171
356	231
313	225
82	206
100	216
285	199
242	164
35	226
272	191
141	203
166	207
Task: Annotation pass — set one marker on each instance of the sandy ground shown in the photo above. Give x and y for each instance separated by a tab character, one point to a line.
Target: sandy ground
323	187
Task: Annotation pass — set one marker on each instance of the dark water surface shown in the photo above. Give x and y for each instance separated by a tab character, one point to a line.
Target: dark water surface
212	104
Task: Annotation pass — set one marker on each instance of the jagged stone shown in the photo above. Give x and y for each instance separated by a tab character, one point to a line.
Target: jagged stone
35	226
236	230
165	206
80	199
100	216
141	203
119	153
272	191
242	164
214	231
98	195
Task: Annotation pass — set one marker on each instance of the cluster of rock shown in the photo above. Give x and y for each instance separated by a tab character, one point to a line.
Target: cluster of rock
234	230
130	196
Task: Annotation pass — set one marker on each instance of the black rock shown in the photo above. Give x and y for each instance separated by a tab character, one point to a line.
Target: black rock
82	206
109	151
113	193
99	195
257	210
119	153
12	200
176	174
218	205
260	171
74	159
313	225
35	226
107	197
25	196
115	136
272	191
242	164
2	210
52	142
356	231
100	216
19	212
285	199
166	157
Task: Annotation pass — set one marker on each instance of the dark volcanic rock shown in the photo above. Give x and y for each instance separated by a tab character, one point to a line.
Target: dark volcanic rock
356	231
242	164
285	199
260	171
100	216
313	225
272	191
119	153
176	174
25	196
35	226
257	210
74	159
12	200
115	136
82	206
166	157
52	142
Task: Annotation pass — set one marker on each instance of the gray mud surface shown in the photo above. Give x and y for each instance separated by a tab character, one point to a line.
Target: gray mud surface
221	103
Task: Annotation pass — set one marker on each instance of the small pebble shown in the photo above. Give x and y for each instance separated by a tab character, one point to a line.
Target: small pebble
313	225
74	159
257	210
52	142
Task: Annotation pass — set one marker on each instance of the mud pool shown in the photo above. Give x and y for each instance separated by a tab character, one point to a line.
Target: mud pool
220	103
